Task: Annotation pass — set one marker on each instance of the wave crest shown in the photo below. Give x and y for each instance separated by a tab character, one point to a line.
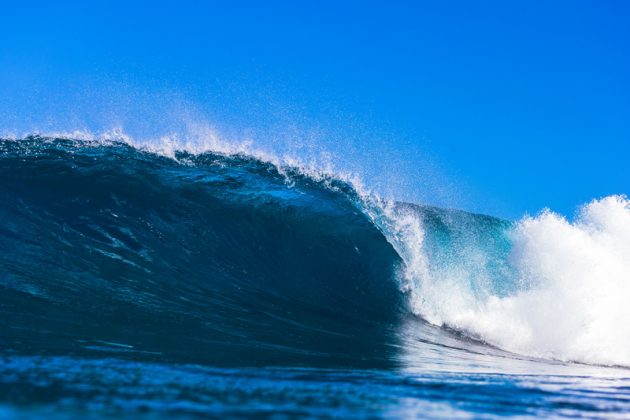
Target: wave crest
221	257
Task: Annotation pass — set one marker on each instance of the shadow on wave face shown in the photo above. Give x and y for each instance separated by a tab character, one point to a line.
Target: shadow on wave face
210	259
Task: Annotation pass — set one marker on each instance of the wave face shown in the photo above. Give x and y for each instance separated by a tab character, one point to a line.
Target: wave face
204	257
134	282
230	260
201	258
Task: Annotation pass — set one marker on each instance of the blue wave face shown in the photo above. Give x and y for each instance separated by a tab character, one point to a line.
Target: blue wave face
203	258
214	284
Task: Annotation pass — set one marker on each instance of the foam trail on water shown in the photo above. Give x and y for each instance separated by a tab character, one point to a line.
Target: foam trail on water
571	286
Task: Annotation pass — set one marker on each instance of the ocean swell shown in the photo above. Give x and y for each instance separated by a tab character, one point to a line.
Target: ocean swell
226	259
207	258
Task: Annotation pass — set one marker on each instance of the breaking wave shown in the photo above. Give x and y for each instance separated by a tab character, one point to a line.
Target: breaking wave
228	258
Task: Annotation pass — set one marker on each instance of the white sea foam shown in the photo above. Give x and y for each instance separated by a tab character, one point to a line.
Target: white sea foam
573	297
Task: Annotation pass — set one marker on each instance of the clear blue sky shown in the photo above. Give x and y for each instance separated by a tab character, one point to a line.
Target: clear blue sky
502	107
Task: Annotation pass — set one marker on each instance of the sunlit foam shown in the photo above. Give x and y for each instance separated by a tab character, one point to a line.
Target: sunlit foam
573	286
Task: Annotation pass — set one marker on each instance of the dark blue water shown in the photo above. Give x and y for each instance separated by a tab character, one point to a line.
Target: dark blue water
206	284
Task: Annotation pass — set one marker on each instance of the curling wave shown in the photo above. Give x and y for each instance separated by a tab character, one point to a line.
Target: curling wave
227	259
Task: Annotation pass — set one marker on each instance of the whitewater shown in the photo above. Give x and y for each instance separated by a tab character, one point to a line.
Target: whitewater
561	293
210	261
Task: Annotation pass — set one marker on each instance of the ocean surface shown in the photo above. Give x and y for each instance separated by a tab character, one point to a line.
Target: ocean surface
141	282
